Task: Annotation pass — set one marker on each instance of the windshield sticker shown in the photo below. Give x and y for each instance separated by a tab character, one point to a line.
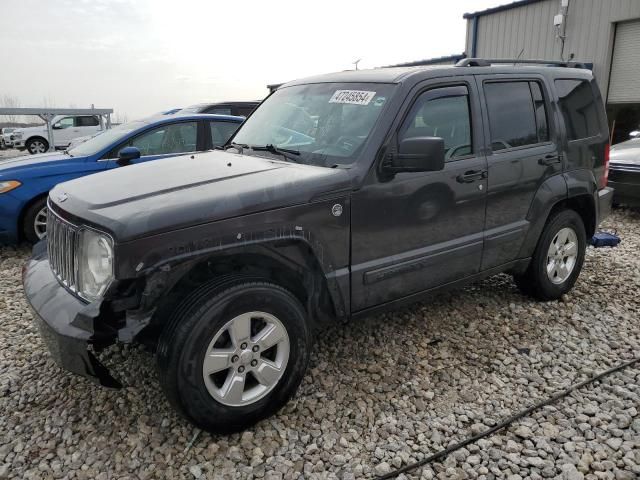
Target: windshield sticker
379	102
352	97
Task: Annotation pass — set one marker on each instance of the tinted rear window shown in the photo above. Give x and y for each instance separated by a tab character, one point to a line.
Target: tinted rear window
578	107
87	122
512	118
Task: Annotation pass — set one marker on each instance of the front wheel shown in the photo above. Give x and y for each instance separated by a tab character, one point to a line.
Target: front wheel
558	258
34	224
37	145
230	357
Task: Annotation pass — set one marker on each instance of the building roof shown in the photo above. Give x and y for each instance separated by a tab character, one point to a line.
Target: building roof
500	8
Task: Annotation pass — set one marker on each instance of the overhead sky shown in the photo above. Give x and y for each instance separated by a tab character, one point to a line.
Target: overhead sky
143	56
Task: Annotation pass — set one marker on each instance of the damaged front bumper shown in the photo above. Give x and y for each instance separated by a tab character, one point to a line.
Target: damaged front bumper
67	324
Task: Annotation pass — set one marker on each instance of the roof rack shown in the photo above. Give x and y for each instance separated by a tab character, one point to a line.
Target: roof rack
487	62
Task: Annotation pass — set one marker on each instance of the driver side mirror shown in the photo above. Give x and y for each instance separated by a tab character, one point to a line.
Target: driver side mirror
127	154
417	154
56	126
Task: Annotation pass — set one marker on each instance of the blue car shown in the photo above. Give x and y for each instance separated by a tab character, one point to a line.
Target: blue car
26	181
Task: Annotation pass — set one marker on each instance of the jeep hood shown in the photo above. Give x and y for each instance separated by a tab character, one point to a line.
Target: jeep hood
178	192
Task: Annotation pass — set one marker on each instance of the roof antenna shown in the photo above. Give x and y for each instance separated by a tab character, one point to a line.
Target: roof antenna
356	63
519	55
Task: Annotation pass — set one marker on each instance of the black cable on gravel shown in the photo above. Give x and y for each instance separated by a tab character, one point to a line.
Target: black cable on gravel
442	454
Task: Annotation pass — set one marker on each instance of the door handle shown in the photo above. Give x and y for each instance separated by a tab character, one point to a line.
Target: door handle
549	160
471	176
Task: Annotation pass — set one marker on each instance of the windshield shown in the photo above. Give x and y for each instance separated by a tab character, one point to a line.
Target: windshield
326	123
105	139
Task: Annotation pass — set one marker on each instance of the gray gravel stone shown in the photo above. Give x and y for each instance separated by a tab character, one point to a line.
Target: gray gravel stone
380	393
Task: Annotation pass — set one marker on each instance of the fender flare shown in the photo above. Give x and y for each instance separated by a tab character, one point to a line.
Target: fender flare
552	191
294	250
571	185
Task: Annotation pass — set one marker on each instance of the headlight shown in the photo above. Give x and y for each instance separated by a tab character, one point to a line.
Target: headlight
95	271
8	185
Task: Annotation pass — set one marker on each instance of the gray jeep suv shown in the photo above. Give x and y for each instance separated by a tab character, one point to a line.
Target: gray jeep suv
341	195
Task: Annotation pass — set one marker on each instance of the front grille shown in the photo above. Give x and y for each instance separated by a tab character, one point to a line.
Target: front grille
62	244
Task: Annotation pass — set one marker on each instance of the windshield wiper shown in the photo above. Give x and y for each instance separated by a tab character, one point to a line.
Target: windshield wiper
283	152
66	152
237	146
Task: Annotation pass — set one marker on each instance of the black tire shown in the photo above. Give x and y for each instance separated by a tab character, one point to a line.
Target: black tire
186	337
33	142
28	220
535	281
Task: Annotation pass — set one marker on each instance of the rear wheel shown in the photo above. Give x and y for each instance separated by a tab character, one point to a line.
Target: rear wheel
37	145
231	356
34	224
558	258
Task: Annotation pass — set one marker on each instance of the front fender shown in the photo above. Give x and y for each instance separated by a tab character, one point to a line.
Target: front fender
284	234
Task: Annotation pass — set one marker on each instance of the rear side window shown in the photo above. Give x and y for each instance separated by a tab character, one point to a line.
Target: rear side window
578	107
517	114
87	122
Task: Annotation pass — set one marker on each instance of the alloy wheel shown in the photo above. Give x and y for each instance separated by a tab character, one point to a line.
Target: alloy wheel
40	223
37	146
562	255
246	359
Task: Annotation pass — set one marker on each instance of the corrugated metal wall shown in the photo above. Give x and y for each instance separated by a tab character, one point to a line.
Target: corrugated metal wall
529	29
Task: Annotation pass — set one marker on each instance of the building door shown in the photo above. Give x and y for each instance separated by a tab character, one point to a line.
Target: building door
624	86
623	102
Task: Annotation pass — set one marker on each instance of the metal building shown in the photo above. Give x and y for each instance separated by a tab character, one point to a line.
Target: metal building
605	33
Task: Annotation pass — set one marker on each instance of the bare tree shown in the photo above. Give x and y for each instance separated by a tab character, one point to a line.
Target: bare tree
9	101
48	102
120	118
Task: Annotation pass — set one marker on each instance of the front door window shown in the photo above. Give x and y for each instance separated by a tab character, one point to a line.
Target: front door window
167	139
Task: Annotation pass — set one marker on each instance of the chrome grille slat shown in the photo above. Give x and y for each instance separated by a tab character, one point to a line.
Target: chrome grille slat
62	242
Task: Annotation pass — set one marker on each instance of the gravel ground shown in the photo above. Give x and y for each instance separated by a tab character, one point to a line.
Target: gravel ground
11	153
379	394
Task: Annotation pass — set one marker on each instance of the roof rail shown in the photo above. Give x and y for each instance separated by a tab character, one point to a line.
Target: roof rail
487	62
